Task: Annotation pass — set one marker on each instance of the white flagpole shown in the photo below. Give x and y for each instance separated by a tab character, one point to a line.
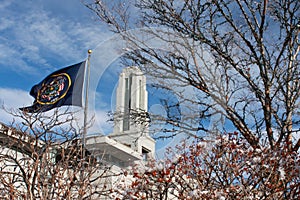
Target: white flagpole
86	103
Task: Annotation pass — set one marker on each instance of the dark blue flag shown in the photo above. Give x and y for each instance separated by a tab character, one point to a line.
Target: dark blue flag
62	87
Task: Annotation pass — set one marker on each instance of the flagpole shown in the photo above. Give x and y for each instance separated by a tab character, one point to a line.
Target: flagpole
86	103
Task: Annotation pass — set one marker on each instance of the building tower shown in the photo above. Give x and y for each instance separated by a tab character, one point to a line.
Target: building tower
132	99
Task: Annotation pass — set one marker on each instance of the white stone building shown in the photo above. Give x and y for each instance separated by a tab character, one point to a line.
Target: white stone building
129	143
130	140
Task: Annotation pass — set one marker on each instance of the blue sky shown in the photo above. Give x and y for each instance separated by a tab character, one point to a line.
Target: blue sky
41	36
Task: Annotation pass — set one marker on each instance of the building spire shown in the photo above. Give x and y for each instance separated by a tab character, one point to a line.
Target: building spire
132	101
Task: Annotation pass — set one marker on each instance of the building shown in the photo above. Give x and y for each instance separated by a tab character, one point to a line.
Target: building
130	140
127	145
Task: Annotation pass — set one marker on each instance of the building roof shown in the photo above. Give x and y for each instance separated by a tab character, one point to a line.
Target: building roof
110	150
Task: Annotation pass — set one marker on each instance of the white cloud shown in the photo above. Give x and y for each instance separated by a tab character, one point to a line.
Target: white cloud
101	124
5	4
10	58
12	99
38	36
5	23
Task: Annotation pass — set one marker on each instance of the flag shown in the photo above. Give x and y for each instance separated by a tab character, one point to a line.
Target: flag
62	87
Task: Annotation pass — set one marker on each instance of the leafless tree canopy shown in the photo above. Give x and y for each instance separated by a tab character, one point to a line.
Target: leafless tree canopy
239	59
43	158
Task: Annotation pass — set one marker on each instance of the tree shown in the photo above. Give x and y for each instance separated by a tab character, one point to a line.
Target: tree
240	58
43	158
228	168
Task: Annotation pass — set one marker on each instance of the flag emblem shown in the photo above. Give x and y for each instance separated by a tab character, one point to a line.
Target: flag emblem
54	89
